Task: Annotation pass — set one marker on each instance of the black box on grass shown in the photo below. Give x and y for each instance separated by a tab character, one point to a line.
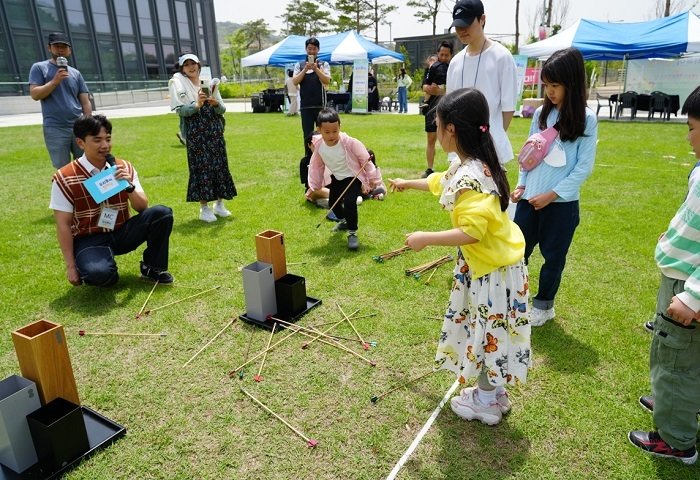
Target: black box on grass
59	433
290	293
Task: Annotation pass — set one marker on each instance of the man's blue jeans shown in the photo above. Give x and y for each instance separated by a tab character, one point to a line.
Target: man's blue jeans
94	254
60	142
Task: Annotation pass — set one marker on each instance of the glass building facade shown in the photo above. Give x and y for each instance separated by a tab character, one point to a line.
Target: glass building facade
118	42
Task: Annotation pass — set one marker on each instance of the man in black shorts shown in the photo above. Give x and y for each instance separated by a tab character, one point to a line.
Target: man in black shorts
434	88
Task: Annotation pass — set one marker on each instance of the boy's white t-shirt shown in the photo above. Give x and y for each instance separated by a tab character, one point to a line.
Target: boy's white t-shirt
335	160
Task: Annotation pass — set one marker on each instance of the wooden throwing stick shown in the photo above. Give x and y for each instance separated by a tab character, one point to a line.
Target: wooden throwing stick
258	377
209	342
310	442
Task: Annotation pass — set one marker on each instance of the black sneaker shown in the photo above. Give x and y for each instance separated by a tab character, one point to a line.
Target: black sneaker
353	241
427	173
160	276
651	442
649	326
341	226
647	403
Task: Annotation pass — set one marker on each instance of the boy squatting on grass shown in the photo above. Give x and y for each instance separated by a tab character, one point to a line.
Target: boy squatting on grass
347	159
674	361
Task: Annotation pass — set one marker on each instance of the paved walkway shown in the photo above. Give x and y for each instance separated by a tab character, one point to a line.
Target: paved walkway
162	107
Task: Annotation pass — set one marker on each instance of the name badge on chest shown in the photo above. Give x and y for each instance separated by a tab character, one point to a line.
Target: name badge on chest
108	218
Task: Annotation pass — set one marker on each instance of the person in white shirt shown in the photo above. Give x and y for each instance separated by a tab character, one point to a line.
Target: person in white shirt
487	66
292	92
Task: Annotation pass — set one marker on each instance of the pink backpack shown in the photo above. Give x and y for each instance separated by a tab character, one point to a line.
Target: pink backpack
536	148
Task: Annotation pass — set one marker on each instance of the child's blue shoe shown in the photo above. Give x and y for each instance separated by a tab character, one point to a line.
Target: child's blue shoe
331	216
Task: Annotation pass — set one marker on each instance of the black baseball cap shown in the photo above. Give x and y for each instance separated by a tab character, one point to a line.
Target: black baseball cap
465	12
58	37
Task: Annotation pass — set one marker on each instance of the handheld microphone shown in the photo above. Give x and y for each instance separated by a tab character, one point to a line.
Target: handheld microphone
112	162
62	63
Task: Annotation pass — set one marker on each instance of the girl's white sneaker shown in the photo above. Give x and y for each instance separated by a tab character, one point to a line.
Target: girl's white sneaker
539	317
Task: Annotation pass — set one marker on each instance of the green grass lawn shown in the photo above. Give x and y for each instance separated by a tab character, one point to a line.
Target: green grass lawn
569	421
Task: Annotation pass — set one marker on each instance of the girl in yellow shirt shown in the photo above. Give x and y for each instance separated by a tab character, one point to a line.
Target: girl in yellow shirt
486	330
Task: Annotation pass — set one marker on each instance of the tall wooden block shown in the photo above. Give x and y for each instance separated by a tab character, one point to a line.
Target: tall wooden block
43	358
269	246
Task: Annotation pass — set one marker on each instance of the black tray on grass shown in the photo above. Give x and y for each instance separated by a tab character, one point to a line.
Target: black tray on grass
310	303
101	431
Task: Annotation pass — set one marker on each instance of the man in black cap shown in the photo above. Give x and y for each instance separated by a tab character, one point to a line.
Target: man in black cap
312	76
487	66
64	97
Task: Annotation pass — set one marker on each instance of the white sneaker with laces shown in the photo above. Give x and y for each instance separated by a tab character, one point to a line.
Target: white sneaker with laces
206	215
501	398
220	209
467	406
539	317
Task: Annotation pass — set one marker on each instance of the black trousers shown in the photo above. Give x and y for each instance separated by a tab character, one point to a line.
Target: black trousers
553	229
347	206
308	124
94	254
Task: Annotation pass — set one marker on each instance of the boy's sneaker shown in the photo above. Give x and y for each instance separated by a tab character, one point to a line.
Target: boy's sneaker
322	202
647	403
467	406
220	209
539	317
649	326
353	241
501	398
206	215
651	442
341	226
160	276
331	216
427	173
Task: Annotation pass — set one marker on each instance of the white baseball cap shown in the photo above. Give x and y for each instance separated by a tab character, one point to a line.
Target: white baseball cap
188	56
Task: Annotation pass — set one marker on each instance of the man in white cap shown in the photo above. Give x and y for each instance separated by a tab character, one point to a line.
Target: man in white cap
487	66
64	97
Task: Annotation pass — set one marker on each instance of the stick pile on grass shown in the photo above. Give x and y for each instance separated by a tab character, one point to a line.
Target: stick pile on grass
392	254
416	272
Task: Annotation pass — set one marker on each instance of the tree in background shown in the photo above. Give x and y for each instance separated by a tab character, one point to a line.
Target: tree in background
256	32
427	11
666	8
305	18
360	15
231	56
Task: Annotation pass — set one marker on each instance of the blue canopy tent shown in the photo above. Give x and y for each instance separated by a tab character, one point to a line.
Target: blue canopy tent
661	38
342	48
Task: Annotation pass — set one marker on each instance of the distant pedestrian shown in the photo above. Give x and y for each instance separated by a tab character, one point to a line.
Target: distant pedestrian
403	82
292	91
